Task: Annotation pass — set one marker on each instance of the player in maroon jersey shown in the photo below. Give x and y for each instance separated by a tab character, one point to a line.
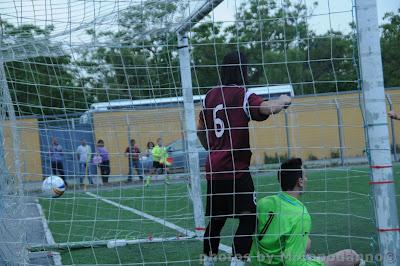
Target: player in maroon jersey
223	131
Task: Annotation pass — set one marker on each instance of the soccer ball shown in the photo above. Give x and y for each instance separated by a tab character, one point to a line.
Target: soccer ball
53	186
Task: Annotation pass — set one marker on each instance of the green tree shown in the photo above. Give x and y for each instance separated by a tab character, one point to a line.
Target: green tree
141	60
209	45
283	49
330	63
38	71
390	45
273	37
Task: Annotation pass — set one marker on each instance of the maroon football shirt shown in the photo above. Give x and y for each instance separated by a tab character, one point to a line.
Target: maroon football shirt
226	114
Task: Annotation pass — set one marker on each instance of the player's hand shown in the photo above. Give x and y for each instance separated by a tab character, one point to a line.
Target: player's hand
285	100
393	115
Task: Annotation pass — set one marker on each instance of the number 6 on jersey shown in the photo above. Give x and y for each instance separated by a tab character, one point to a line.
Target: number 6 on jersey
219	125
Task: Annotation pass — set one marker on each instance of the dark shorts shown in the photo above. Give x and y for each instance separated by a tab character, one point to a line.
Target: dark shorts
157	165
105	167
230	197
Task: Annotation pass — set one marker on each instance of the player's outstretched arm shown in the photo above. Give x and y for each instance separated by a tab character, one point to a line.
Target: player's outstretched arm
394	115
275	106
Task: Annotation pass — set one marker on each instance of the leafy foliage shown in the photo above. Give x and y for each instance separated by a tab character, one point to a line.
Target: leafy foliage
38	84
390	45
283	48
141	62
140	59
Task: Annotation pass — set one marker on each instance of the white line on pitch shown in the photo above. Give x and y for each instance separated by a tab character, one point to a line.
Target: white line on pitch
163	222
49	237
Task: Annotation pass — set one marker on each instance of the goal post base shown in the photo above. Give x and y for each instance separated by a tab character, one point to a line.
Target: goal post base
112	243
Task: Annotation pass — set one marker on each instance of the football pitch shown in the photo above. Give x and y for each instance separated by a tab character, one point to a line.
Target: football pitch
338	200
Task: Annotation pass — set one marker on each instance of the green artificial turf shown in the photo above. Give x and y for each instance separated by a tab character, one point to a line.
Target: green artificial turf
338	199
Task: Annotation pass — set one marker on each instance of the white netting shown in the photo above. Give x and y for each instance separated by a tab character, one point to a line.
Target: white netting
110	70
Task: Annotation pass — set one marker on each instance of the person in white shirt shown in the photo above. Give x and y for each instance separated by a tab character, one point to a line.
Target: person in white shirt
84	153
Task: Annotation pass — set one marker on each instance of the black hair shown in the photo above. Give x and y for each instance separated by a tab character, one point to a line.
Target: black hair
234	69
148	144
100	141
289	173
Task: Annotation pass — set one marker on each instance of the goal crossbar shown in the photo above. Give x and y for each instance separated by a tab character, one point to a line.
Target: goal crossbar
198	15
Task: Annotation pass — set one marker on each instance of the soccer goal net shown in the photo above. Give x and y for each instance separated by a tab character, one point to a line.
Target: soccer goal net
106	95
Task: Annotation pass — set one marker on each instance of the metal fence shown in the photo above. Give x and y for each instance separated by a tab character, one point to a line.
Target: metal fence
69	133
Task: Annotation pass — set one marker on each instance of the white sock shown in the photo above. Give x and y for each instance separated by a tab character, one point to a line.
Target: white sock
362	262
236	262
208	261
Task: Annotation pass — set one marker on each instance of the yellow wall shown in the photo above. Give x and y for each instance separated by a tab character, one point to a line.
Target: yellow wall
312	124
29	149
312	131
142	125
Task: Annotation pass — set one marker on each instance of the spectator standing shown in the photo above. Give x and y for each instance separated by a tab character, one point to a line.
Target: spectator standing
104	163
160	156
150	146
149	161
133	154
84	153
56	157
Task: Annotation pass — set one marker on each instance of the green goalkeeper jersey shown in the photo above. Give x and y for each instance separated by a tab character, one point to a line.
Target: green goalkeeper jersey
283	227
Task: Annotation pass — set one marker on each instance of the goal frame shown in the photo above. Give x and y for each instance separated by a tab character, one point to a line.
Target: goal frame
377	132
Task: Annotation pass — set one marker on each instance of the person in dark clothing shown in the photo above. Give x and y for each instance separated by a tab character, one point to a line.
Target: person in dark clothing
56	157
133	154
104	163
223	132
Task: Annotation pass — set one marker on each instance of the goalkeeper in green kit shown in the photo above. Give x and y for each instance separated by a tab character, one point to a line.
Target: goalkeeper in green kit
284	225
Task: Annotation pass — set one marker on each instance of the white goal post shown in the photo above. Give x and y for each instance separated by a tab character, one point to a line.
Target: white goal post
377	132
